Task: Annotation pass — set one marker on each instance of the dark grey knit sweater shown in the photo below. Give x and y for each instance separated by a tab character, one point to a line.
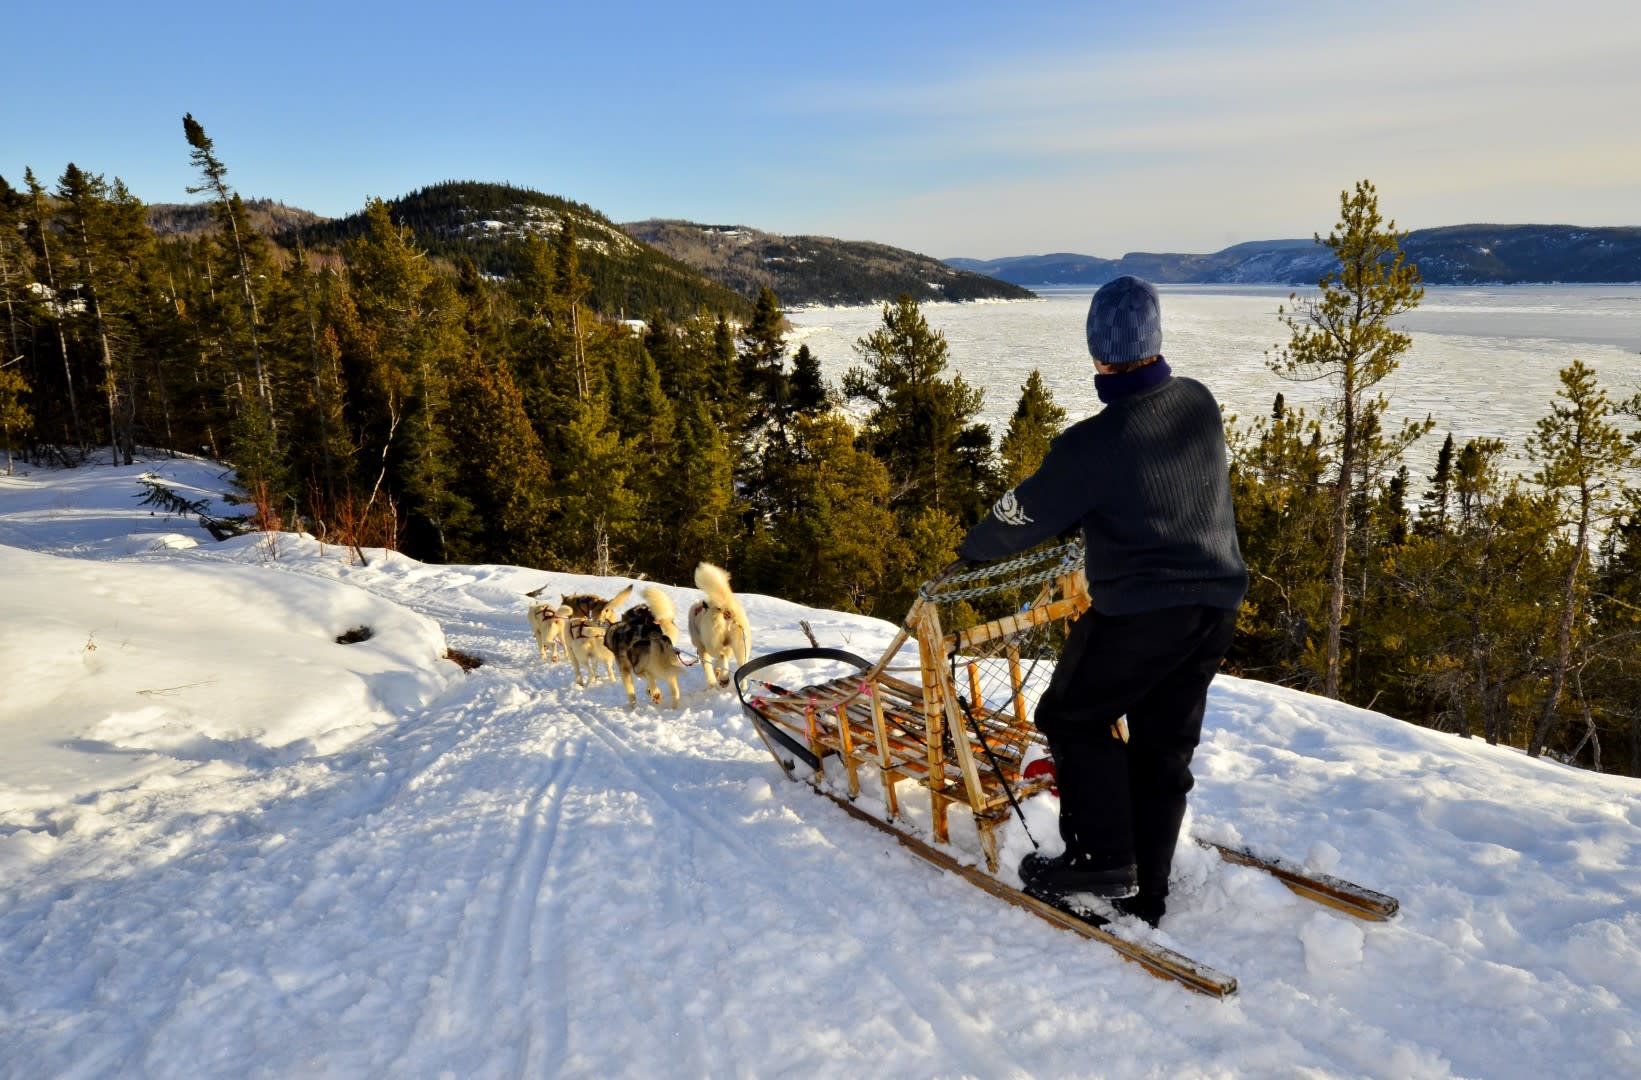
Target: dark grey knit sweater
1148	480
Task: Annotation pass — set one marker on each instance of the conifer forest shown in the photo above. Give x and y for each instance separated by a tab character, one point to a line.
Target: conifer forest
541	403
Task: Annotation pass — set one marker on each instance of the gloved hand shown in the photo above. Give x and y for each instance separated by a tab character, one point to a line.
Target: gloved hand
955	566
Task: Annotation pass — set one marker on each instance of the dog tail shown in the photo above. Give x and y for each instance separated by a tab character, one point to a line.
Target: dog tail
715	583
607	611
660	605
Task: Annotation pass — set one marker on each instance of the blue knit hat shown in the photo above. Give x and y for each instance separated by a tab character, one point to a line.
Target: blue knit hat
1125	322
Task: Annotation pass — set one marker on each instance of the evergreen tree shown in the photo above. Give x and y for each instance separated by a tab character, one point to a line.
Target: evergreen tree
1583	457
1434	506
15	418
502	468
400	328
593	487
569	292
807	393
15	276
1347	337
240	240
921	424
1464	618
103	235
1277	485
41	230
763	364
827	545
696	501
1035	423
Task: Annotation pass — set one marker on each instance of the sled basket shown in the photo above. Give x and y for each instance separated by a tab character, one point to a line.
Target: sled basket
956	728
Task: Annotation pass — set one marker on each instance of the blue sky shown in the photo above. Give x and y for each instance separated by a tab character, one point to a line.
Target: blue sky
978	129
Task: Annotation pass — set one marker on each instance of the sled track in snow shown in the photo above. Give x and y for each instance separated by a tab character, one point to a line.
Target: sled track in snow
932	1003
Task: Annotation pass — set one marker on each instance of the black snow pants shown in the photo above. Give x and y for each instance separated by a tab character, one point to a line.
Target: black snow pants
1120	800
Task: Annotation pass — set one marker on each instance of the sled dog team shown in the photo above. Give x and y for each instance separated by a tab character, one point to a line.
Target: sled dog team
642	641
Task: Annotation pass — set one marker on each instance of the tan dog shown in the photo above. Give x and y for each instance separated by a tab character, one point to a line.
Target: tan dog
643	645
549	623
585	630
718	626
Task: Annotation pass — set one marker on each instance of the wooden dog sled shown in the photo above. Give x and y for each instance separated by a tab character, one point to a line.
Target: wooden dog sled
954	729
957	723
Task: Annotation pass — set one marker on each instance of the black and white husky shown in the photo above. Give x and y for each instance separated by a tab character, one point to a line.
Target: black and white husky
642	642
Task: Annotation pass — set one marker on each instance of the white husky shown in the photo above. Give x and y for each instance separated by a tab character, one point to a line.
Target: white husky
549	622
718	626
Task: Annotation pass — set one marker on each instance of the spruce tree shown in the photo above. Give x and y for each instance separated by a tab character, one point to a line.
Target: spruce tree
1035	423
828	545
502	469
921	423
807	393
1437	497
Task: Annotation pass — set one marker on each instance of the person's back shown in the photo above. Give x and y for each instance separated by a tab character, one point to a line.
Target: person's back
1147	481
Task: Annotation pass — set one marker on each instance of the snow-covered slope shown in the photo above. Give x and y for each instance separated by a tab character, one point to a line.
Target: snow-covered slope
233	846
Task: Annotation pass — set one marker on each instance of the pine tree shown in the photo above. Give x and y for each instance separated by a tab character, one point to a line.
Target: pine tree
593	487
763	363
697	498
1347	337
1464	617
1277	468
1583	457
570	289
14	274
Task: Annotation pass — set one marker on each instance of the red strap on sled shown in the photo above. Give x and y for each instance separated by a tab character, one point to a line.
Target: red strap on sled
1043	766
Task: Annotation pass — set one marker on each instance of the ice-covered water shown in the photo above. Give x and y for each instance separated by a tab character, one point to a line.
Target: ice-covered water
1484	362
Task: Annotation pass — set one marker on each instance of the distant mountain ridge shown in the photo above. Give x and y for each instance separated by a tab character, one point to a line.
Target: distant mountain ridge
1450	255
805	270
488	223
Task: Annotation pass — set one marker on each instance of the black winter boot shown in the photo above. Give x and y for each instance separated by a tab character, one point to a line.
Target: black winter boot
1053	879
1148	907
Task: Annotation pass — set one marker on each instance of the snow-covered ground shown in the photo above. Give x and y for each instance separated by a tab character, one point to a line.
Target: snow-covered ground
232	846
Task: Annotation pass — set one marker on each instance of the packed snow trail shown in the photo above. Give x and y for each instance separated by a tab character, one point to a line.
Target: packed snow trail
499	874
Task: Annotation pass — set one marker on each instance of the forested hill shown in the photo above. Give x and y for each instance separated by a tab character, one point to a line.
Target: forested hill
271	218
1451	255
805	270
488	223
